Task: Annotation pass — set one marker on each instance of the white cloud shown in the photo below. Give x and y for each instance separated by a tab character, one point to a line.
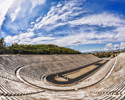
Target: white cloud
13	8
62	14
10	8
26	35
108	47
32	23
10	39
38	19
76	38
120	33
83	37
103	19
36	3
111	46
58	15
27	38
122	45
40	40
4	7
14	15
92	50
19	38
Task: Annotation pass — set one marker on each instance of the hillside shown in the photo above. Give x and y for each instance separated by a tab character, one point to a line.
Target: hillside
38	49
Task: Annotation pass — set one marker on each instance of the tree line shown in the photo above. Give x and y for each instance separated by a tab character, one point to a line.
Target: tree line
107	54
34	49
2	45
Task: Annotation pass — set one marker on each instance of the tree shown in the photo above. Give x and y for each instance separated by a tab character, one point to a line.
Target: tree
40	49
1	41
2	46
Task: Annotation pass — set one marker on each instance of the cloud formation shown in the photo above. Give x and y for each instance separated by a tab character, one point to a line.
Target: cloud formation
111	46
14	15
103	19
13	7
4	7
27	38
65	23
59	15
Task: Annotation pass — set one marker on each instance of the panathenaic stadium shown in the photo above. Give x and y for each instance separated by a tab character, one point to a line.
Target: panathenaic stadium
62	77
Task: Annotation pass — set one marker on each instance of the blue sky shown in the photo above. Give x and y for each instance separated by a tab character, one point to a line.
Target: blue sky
84	25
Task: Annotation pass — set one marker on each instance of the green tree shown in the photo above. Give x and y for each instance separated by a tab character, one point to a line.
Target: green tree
40	49
2	46
1	41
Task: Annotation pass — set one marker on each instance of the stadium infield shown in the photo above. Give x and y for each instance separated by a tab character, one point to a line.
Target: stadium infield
75	75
